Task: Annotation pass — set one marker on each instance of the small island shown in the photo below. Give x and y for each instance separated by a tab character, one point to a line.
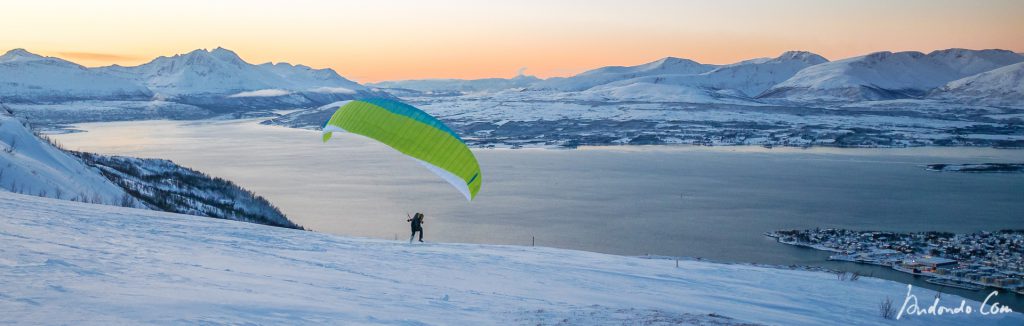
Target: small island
978	168
970	261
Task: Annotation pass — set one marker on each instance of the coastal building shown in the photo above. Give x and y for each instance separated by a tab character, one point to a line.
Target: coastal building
926	264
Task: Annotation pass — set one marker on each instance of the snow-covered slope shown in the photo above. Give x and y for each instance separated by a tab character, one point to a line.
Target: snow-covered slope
307	119
73	263
166	186
27	77
655	92
1002	86
604	75
29	165
887	75
460	85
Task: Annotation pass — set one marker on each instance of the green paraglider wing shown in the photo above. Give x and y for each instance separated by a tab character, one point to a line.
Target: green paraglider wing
414	133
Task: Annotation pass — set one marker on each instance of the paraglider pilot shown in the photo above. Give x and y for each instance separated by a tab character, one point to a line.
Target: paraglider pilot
416	221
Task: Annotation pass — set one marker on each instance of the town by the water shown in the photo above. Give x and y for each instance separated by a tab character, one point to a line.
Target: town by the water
970	261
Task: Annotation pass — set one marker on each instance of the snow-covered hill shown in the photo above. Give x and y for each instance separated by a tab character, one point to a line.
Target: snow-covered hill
736	82
887	75
749	78
165	186
604	75
31	166
1002	86
461	86
27	77
73	263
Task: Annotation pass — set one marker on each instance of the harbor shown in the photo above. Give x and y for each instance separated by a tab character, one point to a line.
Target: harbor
973	261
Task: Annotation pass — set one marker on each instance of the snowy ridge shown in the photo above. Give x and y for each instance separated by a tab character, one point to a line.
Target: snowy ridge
29	165
27	77
74	263
740	81
1002	86
887	75
600	76
165	186
462	86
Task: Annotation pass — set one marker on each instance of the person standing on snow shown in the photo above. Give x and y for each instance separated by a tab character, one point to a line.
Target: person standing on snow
416	221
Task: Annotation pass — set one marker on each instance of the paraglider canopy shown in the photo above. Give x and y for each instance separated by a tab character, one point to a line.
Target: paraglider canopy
414	133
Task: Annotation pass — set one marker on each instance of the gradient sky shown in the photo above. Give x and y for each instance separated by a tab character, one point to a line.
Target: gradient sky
384	40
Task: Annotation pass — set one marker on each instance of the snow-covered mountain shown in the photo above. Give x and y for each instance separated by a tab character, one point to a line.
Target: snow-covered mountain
223	72
29	165
604	75
743	79
216	80
219	78
118	265
459	85
887	75
28	77
1001	86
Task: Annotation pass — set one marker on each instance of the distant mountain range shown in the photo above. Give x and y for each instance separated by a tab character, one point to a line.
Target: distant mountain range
953	97
210	82
795	77
217	80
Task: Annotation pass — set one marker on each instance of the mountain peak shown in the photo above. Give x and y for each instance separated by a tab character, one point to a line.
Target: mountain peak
225	54
671	61
19	54
803	56
959	52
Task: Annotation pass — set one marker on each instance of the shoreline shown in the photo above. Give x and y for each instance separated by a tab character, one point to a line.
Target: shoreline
76	127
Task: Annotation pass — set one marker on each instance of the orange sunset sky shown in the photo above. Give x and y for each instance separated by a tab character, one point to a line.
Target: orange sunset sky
385	40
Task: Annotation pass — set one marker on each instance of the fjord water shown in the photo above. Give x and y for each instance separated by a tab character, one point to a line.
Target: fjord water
713	203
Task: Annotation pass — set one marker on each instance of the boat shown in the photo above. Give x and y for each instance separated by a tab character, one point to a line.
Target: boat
955	284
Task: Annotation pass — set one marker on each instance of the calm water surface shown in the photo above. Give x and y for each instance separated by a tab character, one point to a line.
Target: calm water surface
713	203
